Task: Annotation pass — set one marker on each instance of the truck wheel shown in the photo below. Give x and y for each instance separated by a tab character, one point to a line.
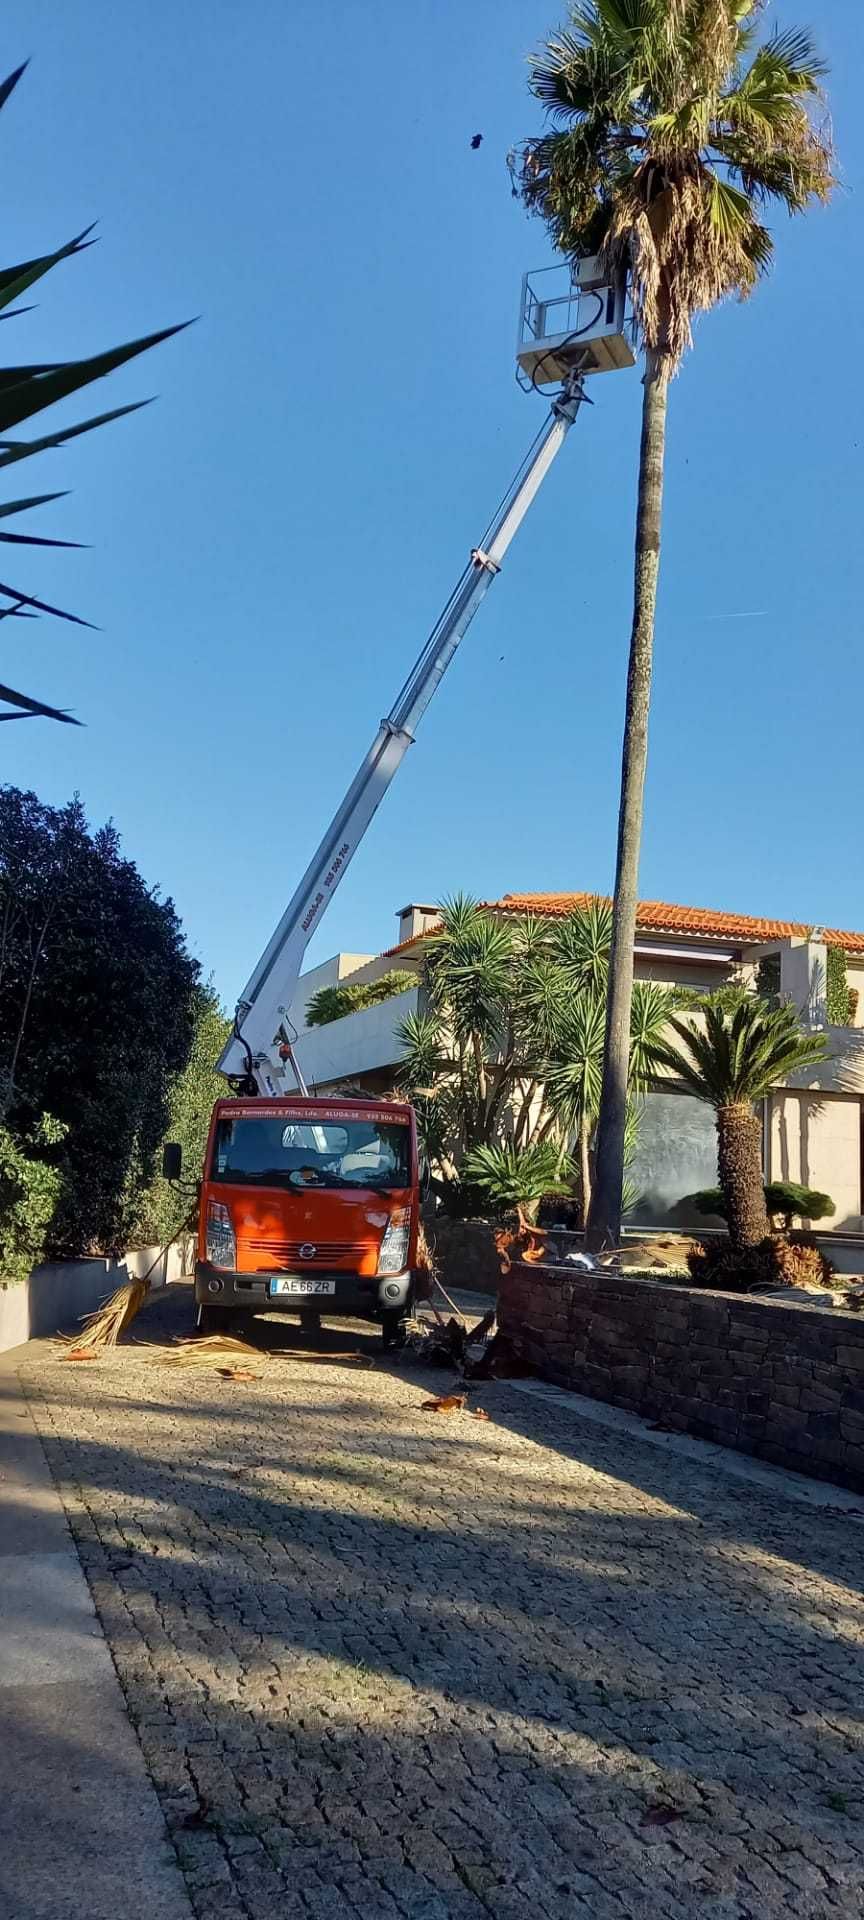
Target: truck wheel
212	1319
393	1332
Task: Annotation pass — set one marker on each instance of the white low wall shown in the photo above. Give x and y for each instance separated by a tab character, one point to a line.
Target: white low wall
58	1294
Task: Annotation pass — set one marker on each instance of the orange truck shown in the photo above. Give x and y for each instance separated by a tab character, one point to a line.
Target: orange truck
309	1205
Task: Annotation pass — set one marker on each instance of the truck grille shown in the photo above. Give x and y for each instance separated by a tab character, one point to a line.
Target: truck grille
326	1251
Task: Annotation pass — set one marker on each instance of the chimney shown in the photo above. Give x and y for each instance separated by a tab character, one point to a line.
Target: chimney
414	920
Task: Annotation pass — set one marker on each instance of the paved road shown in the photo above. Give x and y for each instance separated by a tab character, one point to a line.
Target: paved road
401	1667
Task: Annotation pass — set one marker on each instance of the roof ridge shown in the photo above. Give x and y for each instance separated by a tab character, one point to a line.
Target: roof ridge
662	916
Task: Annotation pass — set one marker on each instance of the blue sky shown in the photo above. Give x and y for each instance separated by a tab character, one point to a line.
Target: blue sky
272	541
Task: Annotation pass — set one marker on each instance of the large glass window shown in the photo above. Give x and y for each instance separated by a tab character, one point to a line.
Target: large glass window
676	1155
308	1154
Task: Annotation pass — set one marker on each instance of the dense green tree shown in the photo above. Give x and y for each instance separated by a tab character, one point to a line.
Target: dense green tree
98	1000
505	1056
190	1104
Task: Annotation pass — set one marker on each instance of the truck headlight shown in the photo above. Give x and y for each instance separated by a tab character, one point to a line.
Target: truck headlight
221	1244
394	1246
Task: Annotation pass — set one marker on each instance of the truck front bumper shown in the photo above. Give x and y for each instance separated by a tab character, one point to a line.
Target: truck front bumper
360	1296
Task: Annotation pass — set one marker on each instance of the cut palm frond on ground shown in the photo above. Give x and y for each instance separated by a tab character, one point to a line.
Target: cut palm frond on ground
353	1359
103	1327
210	1350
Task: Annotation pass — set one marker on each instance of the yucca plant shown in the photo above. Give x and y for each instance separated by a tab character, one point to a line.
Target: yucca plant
672	130
25	391
732	1059
515	1179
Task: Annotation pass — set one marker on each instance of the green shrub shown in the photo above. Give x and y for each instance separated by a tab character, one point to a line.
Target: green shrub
768	978
332	1003
29	1189
783	1198
841	1000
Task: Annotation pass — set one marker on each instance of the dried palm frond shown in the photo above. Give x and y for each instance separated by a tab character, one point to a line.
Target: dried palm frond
210	1351
104	1327
528	1243
353	1359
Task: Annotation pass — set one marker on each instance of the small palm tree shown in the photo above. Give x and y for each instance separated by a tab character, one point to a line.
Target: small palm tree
516	1179
732	1059
575	1072
672	131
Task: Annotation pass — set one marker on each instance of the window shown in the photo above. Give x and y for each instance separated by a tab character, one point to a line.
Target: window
306	1155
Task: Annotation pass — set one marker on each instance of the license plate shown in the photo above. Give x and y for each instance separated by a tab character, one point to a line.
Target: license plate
287	1283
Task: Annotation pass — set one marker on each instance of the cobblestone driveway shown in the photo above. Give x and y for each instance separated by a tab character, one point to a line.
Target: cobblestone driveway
384	1664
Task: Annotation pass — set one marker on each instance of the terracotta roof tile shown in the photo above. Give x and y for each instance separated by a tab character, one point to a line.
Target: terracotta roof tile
661	916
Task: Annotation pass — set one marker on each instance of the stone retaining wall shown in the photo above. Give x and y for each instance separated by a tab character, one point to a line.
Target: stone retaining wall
465	1253
783	1382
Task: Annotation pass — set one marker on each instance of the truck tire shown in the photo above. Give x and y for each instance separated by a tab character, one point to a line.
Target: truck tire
213	1319
393	1328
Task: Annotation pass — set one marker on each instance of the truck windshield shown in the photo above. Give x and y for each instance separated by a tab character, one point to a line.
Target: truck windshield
301	1155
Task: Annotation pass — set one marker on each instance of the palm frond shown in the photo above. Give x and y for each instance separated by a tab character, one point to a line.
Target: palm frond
10	83
511	1176
670	128
36	707
580	943
735	1056
14	450
650	1011
15	280
791	52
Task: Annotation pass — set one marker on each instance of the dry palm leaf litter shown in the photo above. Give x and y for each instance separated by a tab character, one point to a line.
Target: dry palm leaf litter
104	1327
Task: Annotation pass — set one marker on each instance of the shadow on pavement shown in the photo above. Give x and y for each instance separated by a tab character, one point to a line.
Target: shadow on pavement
379	1660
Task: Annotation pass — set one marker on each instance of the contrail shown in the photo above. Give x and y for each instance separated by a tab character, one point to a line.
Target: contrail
761	613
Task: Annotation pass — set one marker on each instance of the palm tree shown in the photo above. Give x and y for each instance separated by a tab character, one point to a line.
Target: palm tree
516	1179
732	1058
575	1071
672	131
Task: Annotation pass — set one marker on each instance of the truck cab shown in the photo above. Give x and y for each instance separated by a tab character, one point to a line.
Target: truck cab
309	1205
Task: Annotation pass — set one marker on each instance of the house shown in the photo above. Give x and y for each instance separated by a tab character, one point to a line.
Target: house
813	1127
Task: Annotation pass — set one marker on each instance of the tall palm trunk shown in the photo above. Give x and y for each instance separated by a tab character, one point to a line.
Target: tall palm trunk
739	1165
584	1170
604	1220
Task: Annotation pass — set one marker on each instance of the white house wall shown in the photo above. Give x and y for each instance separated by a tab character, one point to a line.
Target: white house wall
361	1042
818	1142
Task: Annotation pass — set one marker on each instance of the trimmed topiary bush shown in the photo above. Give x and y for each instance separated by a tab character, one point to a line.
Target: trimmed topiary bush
783	1198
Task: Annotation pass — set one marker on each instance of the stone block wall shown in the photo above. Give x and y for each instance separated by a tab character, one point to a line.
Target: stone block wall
779	1381
465	1253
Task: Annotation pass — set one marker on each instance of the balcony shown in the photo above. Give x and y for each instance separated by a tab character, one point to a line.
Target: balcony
362	1042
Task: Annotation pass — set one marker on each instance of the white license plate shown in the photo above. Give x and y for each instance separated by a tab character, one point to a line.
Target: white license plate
287	1283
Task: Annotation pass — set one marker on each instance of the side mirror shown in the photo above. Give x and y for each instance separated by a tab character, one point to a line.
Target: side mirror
172	1160
425	1179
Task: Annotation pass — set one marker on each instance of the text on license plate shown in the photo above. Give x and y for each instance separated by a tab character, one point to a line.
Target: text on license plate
288	1283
